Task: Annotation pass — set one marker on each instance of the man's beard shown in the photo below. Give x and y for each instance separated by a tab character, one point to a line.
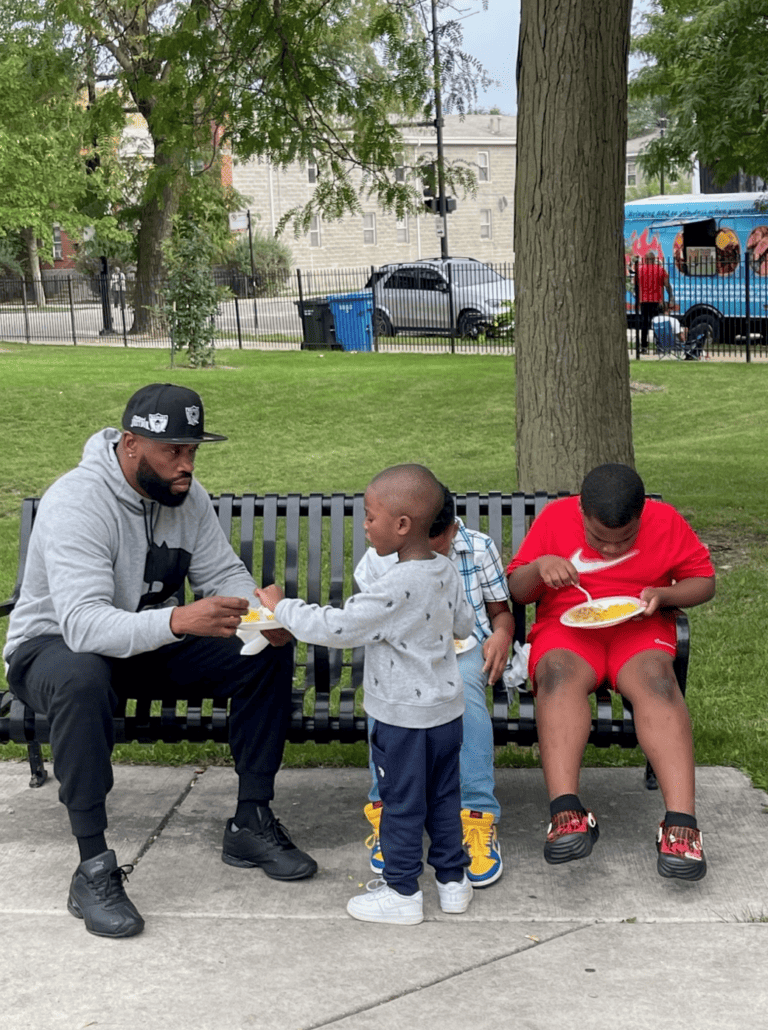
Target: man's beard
157	488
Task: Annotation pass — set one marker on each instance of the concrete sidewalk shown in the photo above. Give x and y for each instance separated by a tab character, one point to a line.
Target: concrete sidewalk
602	943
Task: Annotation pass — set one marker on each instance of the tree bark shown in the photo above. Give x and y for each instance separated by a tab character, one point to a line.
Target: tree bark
155	225
33	258
573	395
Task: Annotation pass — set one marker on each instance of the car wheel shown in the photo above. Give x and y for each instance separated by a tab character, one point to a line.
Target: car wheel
381	324
470	324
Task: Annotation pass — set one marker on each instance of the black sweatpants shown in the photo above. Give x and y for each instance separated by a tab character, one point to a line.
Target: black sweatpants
418	775
648	311
79	693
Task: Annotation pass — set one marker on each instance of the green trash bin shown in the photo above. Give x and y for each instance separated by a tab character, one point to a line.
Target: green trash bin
317	322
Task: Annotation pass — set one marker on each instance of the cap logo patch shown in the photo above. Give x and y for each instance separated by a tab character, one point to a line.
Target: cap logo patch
157	422
193	415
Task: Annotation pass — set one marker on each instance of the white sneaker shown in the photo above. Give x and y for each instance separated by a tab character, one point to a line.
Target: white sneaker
384	905
456	895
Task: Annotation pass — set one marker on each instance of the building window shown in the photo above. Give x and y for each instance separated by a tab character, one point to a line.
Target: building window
311	171
486	224
483	166
369	229
314	231
403	232
58	249
631	173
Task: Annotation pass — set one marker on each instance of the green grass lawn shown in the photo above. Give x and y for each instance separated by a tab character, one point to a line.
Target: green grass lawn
328	421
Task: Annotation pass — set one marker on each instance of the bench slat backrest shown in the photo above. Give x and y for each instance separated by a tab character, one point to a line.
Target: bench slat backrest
311	545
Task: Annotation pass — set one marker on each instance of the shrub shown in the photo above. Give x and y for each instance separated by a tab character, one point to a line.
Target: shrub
190	295
271	261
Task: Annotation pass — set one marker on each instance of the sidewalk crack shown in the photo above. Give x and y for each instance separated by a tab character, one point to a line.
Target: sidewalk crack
166	818
446	979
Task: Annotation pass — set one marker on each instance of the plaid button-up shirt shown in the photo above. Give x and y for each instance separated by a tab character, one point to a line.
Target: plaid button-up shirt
475	556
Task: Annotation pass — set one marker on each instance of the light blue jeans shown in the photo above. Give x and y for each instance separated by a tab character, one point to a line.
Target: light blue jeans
476	755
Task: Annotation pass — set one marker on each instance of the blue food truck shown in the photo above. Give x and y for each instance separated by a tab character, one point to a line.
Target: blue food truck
715	250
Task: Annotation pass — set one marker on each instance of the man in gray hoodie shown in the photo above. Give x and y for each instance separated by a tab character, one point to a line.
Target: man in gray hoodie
98	619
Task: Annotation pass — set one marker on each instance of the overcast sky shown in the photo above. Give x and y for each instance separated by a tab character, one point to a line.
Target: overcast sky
491	37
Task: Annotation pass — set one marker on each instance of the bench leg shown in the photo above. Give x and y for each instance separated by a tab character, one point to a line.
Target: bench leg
650	777
36	765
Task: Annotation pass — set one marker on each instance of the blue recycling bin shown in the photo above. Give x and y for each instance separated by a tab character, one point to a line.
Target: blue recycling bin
353	318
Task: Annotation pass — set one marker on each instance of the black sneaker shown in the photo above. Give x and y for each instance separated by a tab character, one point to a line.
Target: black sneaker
270	848
96	895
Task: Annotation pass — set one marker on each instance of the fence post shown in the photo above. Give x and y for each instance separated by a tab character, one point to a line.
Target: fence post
237	319
747	305
373	310
122	311
72	310
26	309
301	307
451	308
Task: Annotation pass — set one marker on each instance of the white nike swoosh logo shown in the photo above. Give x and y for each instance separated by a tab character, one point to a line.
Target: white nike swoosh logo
587	565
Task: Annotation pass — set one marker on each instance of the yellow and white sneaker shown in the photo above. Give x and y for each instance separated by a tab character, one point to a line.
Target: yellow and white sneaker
483	847
373	815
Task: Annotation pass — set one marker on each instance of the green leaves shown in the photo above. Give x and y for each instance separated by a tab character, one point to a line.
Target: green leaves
710	62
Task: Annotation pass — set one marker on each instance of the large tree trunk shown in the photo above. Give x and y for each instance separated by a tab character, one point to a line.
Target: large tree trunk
573	396
33	259
155	224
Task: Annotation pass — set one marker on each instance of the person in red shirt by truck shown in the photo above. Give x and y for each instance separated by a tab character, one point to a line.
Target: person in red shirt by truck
652	281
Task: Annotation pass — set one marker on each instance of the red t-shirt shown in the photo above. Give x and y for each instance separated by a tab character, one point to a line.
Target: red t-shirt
650	281
666	549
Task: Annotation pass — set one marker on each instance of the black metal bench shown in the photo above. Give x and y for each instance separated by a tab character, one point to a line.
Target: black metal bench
311	544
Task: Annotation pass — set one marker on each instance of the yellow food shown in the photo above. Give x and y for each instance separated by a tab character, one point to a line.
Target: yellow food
611	611
258	615
458	644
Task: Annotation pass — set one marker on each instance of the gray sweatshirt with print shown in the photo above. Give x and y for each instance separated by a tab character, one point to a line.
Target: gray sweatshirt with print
104	563
407	621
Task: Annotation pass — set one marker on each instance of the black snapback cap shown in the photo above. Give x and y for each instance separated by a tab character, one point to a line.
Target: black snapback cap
173	414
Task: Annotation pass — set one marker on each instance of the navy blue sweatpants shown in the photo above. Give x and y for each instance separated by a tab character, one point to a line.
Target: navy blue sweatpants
418	775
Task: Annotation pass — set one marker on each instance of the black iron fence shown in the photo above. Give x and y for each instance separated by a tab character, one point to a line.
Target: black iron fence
461	305
422	306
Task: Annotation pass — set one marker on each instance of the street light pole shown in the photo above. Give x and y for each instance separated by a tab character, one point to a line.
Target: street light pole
439	126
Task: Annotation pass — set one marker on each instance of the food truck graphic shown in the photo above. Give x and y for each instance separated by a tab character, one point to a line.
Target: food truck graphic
715	249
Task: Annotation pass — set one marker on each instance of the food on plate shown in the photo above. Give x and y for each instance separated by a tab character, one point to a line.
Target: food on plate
595	614
258	615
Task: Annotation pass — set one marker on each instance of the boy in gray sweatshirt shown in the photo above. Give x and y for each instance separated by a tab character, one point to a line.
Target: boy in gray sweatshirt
413	690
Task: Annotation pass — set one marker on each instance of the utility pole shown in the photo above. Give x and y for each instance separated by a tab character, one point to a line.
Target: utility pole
439	126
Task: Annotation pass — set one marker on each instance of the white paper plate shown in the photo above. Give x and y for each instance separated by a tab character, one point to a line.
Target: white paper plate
567	618
251	632
462	646
266	620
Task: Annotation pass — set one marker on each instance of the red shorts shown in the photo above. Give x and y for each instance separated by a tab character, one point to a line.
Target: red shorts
606	650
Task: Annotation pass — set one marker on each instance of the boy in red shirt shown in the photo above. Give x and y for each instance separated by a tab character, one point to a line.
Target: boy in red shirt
625	545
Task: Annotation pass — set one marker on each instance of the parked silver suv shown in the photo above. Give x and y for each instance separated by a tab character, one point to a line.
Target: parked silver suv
435	294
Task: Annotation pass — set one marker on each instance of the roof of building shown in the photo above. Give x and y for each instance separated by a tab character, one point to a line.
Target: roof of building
472	128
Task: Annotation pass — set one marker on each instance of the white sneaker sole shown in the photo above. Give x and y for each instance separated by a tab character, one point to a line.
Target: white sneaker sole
373	916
